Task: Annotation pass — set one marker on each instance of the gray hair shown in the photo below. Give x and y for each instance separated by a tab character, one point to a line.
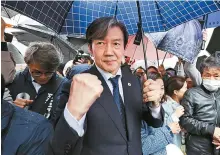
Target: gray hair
43	53
210	62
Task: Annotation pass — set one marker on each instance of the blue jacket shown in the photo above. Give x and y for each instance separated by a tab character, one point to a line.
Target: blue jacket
170	107
155	140
77	69
23	132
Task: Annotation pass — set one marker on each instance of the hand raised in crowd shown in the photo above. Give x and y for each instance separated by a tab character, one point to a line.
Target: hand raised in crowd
179	111
204	35
216	135
216	143
85	89
175	127
151	92
22	103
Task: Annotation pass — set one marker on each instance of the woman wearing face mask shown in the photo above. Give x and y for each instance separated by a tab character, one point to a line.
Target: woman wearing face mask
175	88
201	119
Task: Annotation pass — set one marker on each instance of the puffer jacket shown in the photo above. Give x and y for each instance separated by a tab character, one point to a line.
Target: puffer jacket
202	115
23	132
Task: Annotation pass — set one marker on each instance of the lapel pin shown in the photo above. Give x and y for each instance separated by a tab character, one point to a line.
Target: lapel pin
129	84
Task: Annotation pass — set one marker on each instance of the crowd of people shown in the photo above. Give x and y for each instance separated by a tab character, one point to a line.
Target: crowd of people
100	106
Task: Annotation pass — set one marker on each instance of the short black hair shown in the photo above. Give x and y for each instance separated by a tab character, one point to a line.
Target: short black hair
138	68
98	29
155	68
174	83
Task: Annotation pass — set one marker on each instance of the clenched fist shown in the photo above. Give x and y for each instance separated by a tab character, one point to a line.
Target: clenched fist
85	89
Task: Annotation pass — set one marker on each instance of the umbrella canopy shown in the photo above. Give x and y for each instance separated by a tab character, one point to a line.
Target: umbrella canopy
184	41
50	13
6	12
213	19
156	15
70	17
16	54
136	52
38	33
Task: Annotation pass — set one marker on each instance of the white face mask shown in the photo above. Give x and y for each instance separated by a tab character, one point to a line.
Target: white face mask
211	85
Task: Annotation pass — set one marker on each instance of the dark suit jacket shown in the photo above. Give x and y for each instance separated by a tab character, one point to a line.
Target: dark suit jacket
104	132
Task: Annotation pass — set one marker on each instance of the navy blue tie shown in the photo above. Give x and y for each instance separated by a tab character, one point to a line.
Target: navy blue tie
118	99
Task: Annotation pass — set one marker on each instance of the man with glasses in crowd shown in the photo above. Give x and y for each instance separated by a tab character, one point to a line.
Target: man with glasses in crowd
37	86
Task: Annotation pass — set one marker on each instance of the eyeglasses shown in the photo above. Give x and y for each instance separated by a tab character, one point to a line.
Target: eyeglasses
38	73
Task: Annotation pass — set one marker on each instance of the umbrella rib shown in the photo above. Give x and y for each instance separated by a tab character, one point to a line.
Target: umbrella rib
134	52
164	58
116	9
157	57
7	12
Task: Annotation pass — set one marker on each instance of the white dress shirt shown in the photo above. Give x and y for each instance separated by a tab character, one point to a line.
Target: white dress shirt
36	85
78	126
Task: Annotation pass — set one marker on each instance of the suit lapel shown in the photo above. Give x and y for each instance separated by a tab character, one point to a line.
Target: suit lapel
107	102
128	100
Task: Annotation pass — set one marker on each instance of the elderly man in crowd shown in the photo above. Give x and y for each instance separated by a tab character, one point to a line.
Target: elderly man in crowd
37	86
202	111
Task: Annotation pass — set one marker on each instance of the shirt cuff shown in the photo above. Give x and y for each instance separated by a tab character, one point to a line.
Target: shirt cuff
175	118
155	112
78	126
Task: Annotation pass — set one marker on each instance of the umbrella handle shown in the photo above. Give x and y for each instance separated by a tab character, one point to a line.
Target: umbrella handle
157	58
144	50
205	18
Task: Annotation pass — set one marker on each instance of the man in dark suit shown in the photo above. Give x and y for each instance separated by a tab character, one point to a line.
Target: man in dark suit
103	107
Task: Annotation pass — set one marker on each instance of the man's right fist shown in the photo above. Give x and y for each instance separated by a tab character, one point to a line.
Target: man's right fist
85	89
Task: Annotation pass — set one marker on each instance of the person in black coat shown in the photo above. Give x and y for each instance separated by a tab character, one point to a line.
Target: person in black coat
201	118
37	86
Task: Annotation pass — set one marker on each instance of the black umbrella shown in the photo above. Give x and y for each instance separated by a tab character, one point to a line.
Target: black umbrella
39	33
6	12
50	13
